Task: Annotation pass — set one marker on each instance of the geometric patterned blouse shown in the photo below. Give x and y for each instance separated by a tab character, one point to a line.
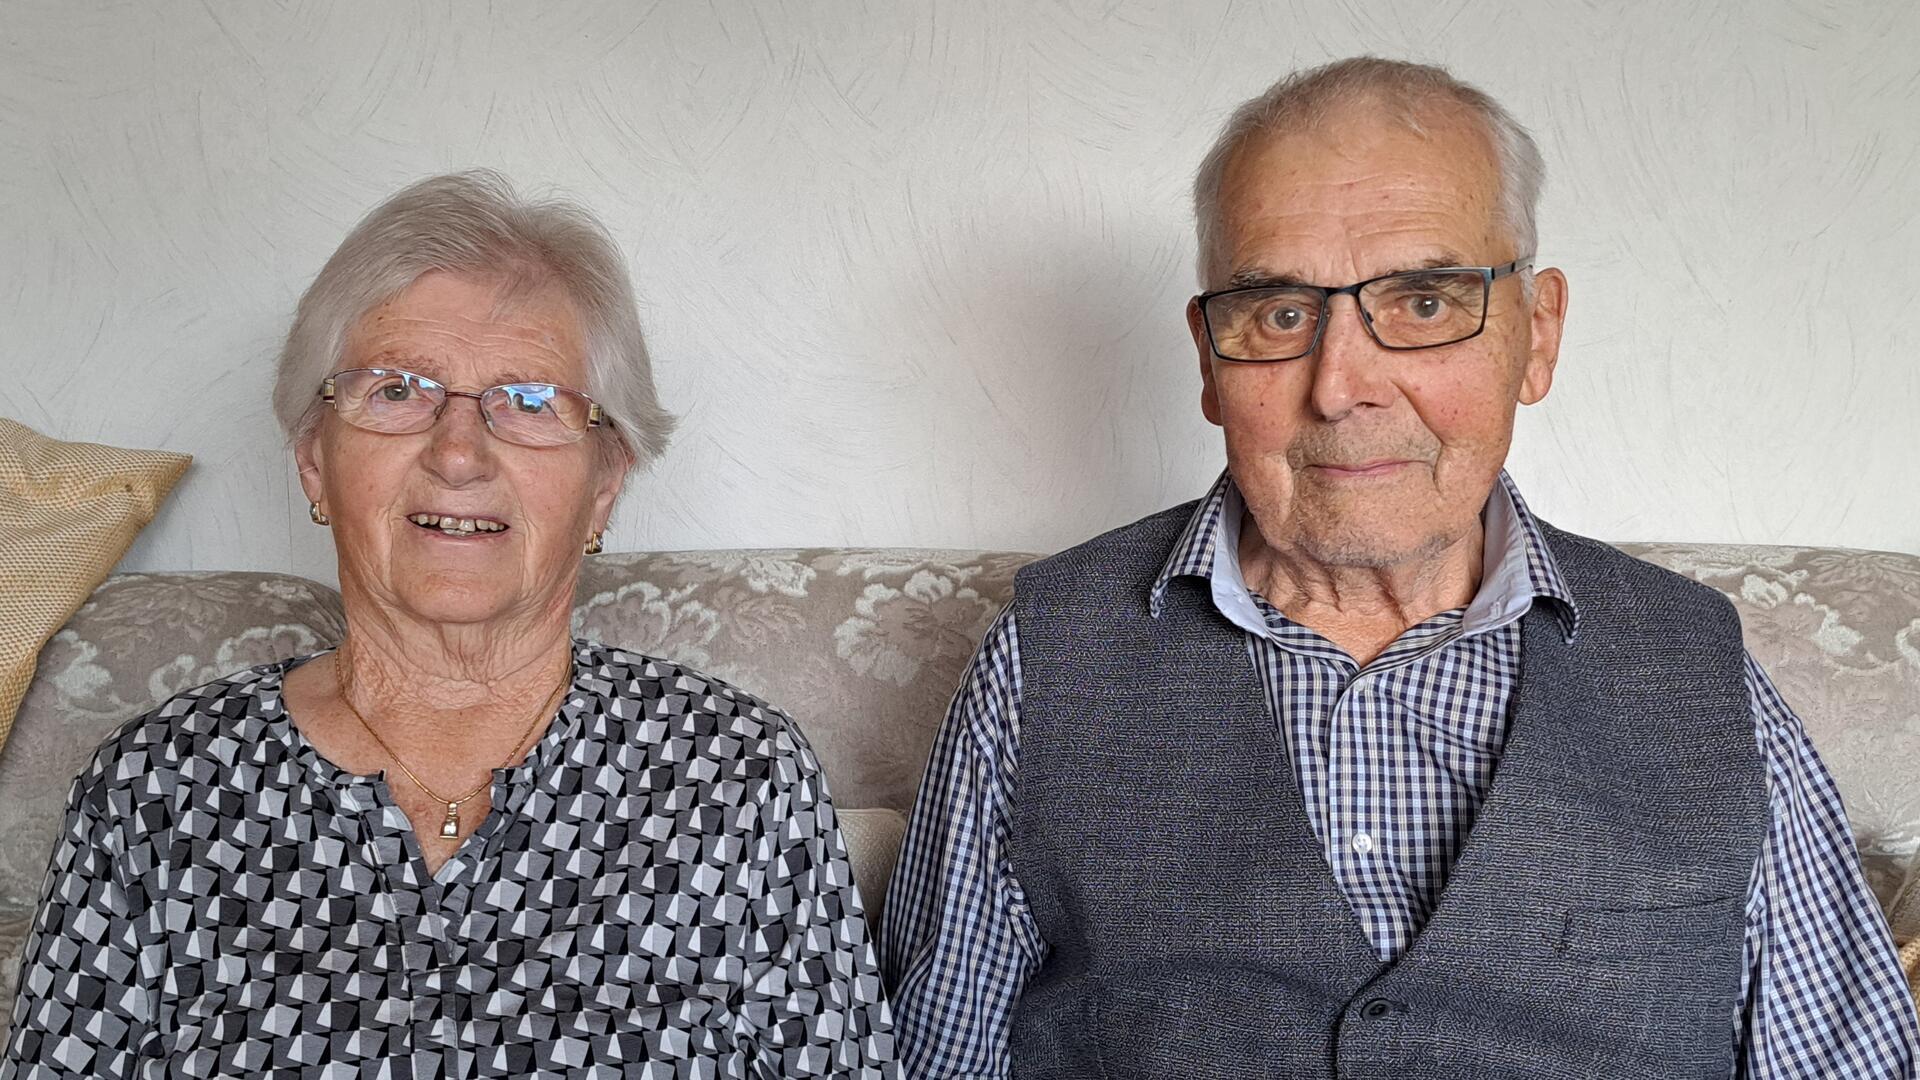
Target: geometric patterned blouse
660	890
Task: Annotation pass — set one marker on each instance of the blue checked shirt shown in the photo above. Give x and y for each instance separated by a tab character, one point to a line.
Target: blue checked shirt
1391	782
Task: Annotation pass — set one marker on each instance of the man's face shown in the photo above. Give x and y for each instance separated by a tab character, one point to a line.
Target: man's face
1356	455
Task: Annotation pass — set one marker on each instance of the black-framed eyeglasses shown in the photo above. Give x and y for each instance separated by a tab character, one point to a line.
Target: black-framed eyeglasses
396	402
1411	309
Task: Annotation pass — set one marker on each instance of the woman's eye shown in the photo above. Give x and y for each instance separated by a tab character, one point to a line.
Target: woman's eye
395	392
529	404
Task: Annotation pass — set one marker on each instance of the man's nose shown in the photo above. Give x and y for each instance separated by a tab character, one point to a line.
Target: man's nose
1350	368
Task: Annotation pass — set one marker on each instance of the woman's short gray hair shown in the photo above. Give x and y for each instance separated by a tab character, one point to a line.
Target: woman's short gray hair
474	223
1402	91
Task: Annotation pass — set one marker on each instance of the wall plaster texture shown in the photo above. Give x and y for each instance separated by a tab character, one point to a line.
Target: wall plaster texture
914	271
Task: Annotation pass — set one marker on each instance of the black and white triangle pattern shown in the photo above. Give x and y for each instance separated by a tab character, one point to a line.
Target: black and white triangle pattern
660	891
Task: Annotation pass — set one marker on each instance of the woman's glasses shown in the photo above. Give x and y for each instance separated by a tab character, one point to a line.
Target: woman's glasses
396	402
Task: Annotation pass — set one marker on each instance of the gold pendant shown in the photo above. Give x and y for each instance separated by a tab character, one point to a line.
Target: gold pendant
451	826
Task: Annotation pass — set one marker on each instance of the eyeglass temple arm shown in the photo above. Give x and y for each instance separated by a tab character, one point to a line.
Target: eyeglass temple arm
1521	263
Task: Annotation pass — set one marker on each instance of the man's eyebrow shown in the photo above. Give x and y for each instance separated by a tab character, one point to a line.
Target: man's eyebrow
1261	278
1445	258
1254	277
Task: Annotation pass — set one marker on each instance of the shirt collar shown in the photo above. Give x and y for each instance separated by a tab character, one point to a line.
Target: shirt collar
1518	567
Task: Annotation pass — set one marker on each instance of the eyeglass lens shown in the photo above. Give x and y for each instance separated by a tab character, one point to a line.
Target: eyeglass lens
400	402
1415	310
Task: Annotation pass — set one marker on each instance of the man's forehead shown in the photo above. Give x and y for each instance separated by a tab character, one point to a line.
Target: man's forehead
1379	195
1373	156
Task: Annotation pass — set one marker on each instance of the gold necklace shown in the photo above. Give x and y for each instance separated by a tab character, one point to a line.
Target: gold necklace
450	827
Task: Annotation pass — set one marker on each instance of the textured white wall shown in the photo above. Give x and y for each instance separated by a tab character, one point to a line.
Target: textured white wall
914	271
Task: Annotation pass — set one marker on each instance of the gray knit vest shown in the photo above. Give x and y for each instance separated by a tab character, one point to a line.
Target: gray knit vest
1591	928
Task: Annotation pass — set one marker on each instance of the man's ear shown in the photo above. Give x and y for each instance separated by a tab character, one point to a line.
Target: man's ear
308	456
1546	322
1209	390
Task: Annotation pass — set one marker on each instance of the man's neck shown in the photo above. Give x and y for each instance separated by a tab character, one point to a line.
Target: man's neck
1362	609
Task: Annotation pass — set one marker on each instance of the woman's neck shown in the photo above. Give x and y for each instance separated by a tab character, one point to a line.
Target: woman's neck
419	687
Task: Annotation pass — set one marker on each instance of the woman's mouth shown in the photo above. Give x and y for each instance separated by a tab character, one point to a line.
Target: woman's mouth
455	525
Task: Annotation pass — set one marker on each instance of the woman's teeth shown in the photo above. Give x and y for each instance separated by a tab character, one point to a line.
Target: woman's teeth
456	526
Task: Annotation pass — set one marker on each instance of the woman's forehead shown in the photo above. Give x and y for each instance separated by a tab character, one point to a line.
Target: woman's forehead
457	331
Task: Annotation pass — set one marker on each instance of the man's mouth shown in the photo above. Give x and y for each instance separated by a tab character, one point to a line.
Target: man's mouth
1363	469
455	525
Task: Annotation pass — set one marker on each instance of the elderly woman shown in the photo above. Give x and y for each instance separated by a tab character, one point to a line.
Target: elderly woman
460	844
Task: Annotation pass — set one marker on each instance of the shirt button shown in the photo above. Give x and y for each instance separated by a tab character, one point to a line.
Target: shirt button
1377	1009
1362	843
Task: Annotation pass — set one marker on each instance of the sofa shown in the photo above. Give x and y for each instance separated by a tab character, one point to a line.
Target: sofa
864	648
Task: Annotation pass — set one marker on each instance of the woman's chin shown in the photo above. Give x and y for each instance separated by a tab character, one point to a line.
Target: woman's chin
450	596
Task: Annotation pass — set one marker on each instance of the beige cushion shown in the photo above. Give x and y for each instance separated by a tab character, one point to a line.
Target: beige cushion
873	843
67	513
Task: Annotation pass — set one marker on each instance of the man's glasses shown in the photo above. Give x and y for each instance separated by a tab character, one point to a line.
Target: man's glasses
397	402
1413	309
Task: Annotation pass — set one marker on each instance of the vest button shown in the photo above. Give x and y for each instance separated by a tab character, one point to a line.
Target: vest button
1377	1009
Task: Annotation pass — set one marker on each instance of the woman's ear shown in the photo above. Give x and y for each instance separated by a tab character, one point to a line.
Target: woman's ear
613	463
309	457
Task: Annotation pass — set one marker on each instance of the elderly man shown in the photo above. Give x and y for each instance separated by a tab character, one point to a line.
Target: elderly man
1355	767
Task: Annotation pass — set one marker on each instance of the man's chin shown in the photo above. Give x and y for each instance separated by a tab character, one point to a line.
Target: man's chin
1363	547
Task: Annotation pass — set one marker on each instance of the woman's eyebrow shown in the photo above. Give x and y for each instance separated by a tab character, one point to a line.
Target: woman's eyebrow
420	365
400	361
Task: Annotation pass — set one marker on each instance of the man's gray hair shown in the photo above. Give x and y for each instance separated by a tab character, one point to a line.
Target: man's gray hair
475	224
1404	92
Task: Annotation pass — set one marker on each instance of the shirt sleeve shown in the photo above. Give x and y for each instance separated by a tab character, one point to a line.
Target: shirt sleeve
959	944
813	1005
82	1005
1824	995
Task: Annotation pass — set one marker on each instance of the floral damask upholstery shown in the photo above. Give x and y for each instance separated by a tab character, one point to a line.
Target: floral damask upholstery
1839	633
864	647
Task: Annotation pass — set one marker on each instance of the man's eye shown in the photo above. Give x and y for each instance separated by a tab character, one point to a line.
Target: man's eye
1286	318
1427	306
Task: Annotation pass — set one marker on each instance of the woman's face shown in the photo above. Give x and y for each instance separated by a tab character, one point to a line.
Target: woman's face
453	330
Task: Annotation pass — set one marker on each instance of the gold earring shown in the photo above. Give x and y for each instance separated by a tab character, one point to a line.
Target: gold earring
319	516
594	547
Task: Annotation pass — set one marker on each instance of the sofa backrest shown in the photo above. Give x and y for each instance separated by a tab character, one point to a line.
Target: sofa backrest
865	647
862	647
